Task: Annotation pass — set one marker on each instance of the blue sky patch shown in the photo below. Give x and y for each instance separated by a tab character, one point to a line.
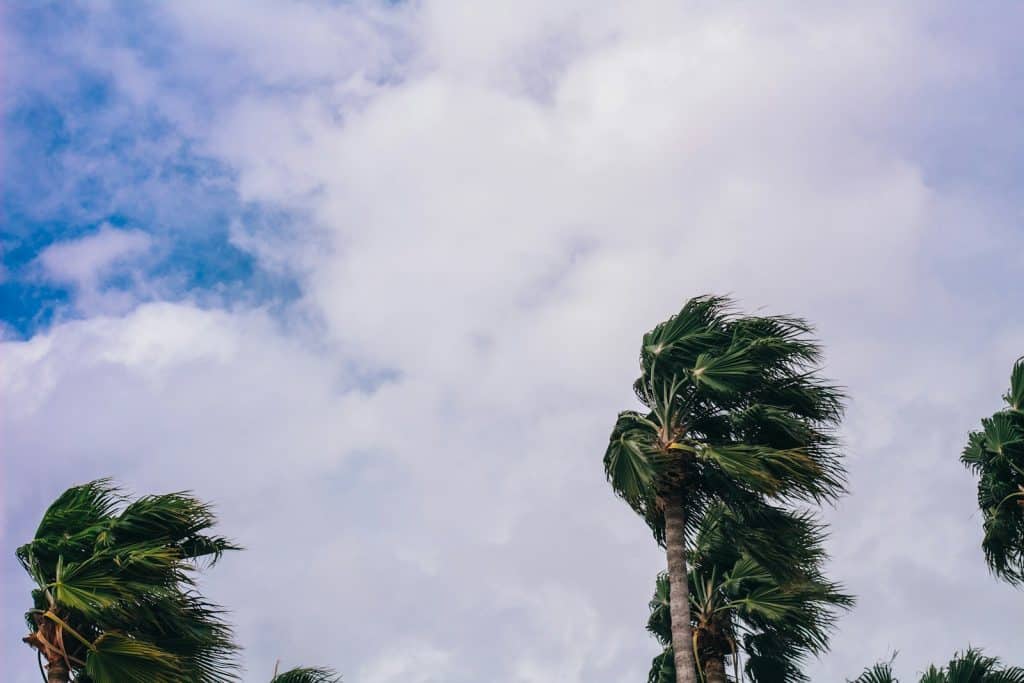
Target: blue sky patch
80	155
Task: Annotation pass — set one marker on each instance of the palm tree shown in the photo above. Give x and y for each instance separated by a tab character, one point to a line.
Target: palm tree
755	586
306	675
967	667
996	455
115	598
733	411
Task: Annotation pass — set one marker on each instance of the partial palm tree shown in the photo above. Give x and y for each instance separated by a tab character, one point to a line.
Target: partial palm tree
756	589
733	411
996	455
968	667
880	672
306	675
115	598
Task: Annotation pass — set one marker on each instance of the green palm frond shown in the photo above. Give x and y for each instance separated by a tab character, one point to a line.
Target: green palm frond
663	667
773	472
729	371
879	673
659	624
1015	396
676	343
116	594
307	675
629	461
116	657
1001	433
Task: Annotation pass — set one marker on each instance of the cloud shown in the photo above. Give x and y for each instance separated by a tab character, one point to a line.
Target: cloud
494	208
88	262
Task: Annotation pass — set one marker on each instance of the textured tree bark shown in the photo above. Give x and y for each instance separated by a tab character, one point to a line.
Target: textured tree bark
714	670
57	672
679	588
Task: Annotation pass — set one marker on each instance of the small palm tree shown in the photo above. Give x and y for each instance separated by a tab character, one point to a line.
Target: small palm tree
996	455
306	675
755	587
733	411
968	667
115	599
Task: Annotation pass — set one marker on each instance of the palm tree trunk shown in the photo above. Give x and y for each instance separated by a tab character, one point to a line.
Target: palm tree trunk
714	670
679	588
57	672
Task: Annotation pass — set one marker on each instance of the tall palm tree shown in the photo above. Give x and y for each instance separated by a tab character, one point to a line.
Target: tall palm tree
967	667
733	411
996	455
115	599
756	587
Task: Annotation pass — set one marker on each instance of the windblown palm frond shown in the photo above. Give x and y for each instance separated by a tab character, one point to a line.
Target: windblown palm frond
996	455
115	599
307	675
663	667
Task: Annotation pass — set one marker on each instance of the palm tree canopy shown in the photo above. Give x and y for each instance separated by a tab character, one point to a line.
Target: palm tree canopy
778	609
996	455
970	666
115	597
307	675
733	410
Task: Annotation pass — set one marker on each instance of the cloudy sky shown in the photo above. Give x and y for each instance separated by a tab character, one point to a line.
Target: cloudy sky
372	277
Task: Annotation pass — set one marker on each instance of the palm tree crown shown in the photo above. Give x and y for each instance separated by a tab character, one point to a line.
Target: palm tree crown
996	455
115	599
733	410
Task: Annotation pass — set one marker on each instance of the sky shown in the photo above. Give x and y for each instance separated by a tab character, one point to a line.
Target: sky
372	277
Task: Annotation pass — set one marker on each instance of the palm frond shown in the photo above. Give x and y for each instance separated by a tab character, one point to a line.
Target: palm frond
115	657
1015	396
629	459
307	675
879	673
663	667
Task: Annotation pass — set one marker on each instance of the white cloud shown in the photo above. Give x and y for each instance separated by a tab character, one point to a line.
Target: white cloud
87	262
416	472
84	261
